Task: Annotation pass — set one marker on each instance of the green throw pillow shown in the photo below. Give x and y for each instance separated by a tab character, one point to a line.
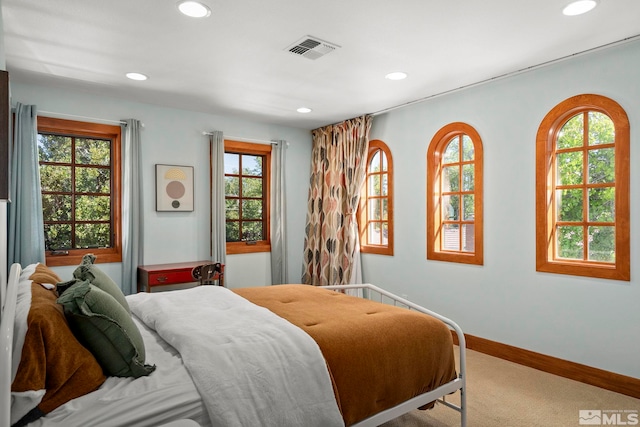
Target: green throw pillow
105	328
87	270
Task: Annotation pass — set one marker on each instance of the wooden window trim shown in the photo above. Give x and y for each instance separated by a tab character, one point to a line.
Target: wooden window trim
434	218
240	147
375	146
545	139
85	129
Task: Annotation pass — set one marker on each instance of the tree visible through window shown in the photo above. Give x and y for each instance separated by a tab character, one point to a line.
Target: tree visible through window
247	176
376	202
454	195
583	167
80	180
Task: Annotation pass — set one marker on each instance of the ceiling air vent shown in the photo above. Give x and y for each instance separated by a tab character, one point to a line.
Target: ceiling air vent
311	47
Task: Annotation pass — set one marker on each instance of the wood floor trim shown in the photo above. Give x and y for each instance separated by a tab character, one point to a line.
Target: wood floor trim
575	371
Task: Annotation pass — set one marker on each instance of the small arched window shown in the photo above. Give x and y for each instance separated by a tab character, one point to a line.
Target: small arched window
582	189
376	202
454	195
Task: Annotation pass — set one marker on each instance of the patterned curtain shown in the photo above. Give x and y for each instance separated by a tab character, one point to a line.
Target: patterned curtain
338	166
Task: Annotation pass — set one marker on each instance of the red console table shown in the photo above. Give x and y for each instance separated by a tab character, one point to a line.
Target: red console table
170	274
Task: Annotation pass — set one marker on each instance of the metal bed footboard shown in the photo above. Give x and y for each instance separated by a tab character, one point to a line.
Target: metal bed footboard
373	292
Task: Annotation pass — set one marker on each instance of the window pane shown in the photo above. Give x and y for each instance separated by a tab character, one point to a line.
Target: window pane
385	185
57	236
450	178
385	167
451	237
232	209
451	153
385	209
468	238
601	129
374	185
55	178
451	208
569	205
373	233
93	180
374	209
92	235
602	244
374	165
233	231
54	148
468	207
93	208
572	133
468	178
252	209
602	166
385	233
467	149
231	163
570	168
56	207
251	165
251	187
252	230
570	242
231	186
602	204
93	151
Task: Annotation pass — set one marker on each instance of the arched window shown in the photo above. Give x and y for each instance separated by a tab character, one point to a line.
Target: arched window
376	202
454	195
582	189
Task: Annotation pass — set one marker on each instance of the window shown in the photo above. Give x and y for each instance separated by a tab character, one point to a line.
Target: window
454	195
376	202
582	189
80	180
247	173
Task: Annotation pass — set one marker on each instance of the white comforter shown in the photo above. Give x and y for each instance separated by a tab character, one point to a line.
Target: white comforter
251	367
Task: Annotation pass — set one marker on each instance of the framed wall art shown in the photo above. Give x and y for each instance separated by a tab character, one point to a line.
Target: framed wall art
174	188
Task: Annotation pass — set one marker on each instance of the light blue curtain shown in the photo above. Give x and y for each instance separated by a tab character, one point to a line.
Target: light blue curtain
218	211
132	212
24	216
278	214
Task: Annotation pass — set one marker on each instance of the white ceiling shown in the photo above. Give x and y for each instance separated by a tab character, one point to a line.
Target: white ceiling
235	61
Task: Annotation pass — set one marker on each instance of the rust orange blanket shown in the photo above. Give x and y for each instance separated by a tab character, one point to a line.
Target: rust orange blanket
378	355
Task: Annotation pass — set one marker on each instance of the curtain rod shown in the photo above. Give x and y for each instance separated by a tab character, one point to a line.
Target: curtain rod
241	139
510	74
75	116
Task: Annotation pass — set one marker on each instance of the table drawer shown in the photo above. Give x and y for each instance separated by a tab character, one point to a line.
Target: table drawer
170	277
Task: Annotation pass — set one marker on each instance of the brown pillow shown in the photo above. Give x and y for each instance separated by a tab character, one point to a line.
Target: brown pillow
52	358
44	274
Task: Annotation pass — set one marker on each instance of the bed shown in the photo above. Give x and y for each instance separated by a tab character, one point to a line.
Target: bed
278	352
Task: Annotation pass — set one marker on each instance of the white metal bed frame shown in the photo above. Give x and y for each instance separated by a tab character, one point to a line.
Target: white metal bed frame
8	305
373	292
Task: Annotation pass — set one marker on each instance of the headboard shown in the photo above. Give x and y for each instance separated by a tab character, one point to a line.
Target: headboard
6	343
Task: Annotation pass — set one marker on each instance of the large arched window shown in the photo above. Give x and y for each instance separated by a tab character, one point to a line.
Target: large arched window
376	202
454	195
582	189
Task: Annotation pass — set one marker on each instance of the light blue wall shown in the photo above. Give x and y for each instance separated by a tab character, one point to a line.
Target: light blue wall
172	136
589	321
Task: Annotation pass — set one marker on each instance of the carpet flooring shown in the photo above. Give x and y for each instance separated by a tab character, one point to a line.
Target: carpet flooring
505	394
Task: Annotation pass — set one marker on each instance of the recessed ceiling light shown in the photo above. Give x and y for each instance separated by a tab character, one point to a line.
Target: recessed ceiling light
137	76
579	7
396	75
194	9
304	110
